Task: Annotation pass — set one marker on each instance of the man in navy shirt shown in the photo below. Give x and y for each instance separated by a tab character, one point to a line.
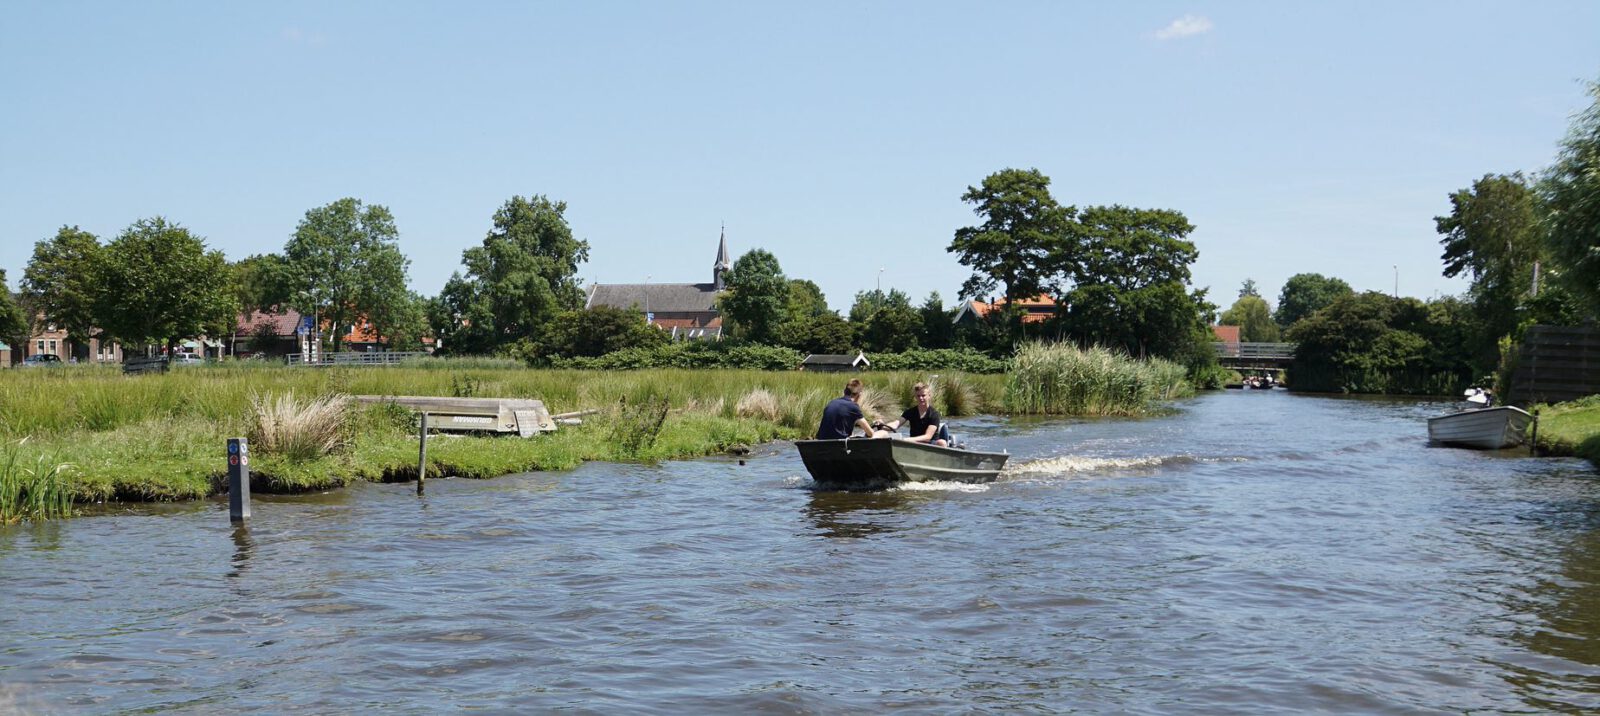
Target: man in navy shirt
843	415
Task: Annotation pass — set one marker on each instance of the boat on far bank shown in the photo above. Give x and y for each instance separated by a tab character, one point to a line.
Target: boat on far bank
1482	428
872	463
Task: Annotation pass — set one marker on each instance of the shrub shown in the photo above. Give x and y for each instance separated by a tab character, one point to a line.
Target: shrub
296	431
943	359
758	403
1061	379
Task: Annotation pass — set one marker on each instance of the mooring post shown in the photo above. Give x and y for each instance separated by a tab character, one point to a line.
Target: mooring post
1533	442
422	454
238	479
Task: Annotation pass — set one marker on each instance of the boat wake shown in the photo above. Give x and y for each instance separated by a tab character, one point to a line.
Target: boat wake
1078	464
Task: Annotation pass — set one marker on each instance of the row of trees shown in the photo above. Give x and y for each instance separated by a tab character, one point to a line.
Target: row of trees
158	283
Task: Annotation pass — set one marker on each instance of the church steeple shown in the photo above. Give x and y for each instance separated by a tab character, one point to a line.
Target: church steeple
722	265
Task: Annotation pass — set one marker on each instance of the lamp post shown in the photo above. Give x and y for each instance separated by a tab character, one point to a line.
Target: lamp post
1397	280
880	280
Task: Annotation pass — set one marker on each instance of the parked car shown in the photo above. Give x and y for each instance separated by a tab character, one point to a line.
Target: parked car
187	359
43	360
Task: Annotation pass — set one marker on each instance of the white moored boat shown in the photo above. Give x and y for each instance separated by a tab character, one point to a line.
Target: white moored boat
1482	428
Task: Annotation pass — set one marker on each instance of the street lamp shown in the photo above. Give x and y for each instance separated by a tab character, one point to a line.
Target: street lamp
880	280
1397	280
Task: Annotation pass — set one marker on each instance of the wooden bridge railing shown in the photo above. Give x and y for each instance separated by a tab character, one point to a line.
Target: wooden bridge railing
1256	351
354	358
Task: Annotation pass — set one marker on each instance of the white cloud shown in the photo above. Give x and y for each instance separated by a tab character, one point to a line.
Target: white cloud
1185	26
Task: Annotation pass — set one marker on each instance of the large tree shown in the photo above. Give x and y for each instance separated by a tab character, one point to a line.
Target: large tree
1132	290
1306	293
757	297
885	322
1492	235
1025	244
13	323
938	329
261	282
157	283
1253	317
339	256
462	318
1571	192
527	267
59	284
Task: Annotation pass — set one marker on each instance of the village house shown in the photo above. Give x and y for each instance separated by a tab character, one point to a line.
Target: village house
1035	310
685	310
49	339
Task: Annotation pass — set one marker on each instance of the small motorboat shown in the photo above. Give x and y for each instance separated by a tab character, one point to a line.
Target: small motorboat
872	463
1482	428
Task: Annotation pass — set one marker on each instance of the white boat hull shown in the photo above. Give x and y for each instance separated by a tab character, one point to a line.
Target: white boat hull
1484	428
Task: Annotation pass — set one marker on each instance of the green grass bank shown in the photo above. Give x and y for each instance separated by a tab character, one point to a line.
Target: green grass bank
1571	428
92	434
86	434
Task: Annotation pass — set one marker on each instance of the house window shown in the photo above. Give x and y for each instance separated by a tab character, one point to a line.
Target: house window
53	347
41	347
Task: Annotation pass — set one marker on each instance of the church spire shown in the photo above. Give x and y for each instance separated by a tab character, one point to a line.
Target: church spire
722	265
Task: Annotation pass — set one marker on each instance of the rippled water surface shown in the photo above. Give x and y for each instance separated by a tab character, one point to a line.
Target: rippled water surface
1253	553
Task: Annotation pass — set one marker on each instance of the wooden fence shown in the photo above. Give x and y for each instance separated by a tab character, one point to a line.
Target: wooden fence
1556	364
353	358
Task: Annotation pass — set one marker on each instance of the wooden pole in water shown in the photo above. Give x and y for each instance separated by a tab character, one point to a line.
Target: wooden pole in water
1533	442
238	479
422	454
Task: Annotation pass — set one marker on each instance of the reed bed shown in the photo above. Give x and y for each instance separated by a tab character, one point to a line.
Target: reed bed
33	489
1062	379
298	430
162	436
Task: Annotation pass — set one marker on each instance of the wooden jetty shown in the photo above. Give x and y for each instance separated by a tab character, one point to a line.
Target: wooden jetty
524	416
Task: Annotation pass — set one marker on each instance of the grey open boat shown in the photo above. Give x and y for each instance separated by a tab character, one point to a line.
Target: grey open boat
1482	428
870	463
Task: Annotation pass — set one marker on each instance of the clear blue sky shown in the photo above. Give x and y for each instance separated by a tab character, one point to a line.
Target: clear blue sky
1297	137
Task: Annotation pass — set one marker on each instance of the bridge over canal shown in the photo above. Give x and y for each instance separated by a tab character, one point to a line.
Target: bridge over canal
1254	356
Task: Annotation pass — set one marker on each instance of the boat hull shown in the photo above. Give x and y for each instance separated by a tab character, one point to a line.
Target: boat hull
872	463
1484	428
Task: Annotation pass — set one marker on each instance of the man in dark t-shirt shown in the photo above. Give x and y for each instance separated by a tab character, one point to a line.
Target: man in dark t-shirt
922	418
843	414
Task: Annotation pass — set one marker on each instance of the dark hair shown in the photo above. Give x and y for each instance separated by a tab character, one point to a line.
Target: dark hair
852	388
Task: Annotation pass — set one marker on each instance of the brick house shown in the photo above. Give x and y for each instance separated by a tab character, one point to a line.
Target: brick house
1035	310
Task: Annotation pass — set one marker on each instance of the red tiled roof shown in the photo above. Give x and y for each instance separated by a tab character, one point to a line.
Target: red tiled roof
1038	309
1226	334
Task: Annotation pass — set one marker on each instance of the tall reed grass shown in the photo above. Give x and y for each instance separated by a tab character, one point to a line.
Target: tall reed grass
296	430
36	491
1062	379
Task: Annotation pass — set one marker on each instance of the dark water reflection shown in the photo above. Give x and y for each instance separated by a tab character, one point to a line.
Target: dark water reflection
1253	553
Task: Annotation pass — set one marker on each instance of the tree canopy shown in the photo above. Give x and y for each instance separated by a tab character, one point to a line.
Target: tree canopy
1571	193
157	283
1026	242
13	324
59	283
1306	293
1254	319
342	259
757	297
1132	290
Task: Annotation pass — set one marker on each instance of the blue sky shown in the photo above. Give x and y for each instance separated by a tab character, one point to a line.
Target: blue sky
1297	137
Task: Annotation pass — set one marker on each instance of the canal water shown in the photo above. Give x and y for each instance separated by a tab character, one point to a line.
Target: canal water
1254	552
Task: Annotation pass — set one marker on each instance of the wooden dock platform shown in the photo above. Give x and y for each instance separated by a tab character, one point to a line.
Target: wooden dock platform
525	416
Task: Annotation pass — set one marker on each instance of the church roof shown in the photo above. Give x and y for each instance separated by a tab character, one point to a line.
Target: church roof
655	297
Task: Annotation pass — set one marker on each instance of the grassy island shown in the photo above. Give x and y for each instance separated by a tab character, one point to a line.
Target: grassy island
86	434
1571	428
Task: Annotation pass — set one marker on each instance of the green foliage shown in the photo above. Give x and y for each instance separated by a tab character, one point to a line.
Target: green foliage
1492	234
1571	428
521	277
885	322
1306	293
1374	343
591	332
1571	193
964	360
1254	319
32	492
757	297
158	283
634	428
938	329
1132	292
691	354
61	279
262	283
825	333
344	262
13	323
1249	289
806	300
1026	241
1061	379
